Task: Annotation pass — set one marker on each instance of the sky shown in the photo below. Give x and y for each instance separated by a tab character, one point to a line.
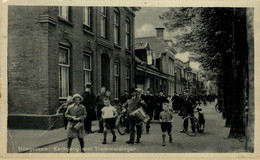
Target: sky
147	19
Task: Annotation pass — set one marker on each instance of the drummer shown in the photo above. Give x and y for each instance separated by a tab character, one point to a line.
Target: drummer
132	104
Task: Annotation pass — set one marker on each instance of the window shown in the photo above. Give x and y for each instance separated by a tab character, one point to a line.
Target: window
127	35
87	68
87	14
64	12
103	22
127	78
116	74
116	27
64	65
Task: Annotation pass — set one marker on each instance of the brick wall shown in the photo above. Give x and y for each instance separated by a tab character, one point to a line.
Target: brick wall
27	47
33	47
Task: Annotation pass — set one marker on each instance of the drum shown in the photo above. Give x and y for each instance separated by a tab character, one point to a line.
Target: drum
140	115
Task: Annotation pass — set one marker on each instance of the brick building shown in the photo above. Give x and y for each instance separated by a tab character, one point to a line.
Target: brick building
163	55
54	51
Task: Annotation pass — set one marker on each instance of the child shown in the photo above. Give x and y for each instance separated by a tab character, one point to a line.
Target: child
109	114
166	118
63	109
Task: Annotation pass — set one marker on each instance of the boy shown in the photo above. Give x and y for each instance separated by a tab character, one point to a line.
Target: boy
165	119
109	114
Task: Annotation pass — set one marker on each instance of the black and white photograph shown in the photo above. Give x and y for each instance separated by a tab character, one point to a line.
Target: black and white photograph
130	79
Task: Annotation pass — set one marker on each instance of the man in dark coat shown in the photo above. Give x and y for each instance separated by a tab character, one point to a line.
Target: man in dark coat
89	103
189	105
159	100
100	104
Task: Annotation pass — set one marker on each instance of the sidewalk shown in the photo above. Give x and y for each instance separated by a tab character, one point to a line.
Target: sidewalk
20	141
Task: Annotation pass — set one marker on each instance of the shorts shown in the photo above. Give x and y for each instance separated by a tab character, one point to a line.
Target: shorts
166	126
110	123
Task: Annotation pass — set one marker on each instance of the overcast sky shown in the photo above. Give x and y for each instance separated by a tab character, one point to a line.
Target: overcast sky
147	19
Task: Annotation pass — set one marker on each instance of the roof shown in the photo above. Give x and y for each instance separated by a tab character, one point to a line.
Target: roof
156	44
142	45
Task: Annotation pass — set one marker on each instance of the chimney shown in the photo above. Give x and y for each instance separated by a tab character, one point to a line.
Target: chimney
159	32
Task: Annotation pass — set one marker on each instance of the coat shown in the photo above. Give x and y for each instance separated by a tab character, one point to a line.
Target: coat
81	113
89	103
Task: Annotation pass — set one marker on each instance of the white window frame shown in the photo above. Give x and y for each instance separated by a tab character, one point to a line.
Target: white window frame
86	69
117	79
116	27
61	14
127	34
103	21
87	16
68	67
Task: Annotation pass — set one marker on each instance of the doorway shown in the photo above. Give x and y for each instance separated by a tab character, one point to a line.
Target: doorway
105	70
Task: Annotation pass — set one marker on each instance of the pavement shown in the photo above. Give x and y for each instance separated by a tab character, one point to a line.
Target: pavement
213	140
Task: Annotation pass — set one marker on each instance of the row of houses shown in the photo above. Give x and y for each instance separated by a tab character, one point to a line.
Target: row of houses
53	51
158	67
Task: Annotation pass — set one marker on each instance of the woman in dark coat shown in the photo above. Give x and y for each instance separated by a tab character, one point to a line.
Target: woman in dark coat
76	114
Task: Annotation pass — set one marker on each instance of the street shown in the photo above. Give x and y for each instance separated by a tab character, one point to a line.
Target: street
213	140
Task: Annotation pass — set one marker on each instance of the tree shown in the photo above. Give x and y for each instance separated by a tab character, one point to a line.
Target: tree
211	33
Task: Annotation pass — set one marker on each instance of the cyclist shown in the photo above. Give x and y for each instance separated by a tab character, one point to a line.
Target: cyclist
189	104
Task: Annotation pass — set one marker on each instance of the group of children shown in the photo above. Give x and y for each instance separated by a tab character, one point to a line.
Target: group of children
109	115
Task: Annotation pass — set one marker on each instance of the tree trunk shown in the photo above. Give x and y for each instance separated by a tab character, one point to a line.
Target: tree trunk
240	53
251	106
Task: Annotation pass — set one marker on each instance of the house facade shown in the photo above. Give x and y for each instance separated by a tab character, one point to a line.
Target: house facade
163	62
53	52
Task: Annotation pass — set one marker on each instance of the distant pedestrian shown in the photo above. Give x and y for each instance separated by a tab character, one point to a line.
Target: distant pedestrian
176	103
76	114
109	114
100	104
125	97
149	100
63	109
159	100
89	103
166	118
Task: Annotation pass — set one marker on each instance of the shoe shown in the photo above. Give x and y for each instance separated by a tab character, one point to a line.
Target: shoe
137	140
104	141
130	142
163	144
182	131
114	139
82	150
170	140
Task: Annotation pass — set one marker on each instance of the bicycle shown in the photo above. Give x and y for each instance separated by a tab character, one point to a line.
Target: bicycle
218	109
121	123
197	124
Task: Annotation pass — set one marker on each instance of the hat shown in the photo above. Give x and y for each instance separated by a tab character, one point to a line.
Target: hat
88	85
77	96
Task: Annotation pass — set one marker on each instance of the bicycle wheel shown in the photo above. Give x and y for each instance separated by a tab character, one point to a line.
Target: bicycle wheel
217	109
192	126
121	126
